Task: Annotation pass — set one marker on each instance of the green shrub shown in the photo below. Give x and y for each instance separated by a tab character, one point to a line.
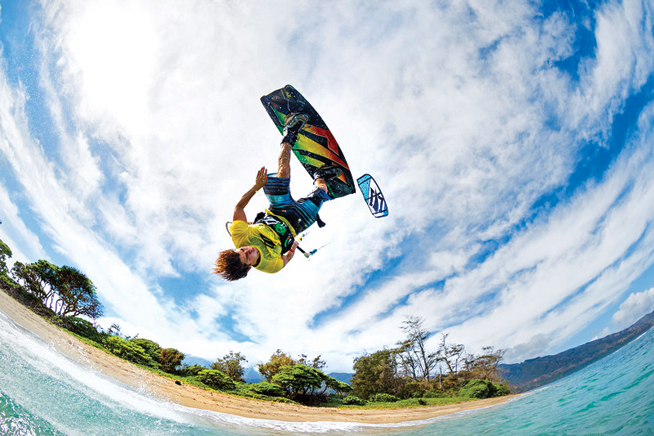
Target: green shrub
411	389
81	327
353	401
383	398
8	281
129	351
412	402
434	393
265	388
191	371
478	389
501	389
150	347
216	380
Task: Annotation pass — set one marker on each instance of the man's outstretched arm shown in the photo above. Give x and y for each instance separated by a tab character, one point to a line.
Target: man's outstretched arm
239	210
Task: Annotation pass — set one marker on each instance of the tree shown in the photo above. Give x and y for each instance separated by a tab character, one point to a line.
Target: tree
417	363
450	354
307	384
114	329
66	291
278	360
5	274
485	366
170	359
76	294
376	373
299	379
5	253
37	279
337	385
231	365
316	363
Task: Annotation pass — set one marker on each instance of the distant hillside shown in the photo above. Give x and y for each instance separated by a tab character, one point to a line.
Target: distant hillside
540	371
251	375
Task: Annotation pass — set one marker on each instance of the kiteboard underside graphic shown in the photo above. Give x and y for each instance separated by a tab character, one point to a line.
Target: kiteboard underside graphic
373	196
315	146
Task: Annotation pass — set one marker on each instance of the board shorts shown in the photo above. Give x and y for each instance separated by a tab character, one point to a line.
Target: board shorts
300	214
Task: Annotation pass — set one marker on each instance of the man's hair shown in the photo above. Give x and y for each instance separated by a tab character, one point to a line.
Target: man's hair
229	266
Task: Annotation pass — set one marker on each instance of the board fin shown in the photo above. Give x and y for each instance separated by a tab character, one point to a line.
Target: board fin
373	196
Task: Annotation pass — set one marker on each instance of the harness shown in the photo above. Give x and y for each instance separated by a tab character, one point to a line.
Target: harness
279	227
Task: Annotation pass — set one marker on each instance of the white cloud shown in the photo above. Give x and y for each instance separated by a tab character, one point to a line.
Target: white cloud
634	307
458	111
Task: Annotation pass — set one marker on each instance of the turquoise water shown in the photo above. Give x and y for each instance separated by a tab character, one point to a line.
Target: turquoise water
45	393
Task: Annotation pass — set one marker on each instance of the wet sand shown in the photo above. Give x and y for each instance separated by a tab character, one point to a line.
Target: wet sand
191	396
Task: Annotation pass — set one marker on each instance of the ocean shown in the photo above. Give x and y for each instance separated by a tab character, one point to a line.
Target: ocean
43	392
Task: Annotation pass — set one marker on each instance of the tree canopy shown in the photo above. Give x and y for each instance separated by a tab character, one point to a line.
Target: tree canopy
376	373
64	290
5	253
231	365
413	369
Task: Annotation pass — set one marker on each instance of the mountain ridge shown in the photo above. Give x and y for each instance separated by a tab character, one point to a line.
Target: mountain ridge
537	372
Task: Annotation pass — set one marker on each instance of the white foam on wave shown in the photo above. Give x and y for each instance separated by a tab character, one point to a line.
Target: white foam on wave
45	359
322	427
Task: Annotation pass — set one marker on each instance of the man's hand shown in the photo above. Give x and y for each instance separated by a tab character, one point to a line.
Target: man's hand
261	180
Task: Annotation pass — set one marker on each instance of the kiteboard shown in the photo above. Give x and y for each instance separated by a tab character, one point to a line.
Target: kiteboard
315	146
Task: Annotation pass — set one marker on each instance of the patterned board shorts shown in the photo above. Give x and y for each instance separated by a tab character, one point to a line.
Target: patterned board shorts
300	214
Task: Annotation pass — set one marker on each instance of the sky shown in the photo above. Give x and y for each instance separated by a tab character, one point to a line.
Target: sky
512	141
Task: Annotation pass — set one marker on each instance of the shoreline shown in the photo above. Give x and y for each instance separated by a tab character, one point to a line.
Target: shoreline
166	389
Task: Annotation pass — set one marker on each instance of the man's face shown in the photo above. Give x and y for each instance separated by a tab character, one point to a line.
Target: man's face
248	255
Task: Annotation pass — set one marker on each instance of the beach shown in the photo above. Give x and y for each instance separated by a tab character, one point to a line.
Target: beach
166	389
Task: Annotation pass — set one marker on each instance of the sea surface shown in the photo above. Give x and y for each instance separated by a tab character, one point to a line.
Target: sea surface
43	392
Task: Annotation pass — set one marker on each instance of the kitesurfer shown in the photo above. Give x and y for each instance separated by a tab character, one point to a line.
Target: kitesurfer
268	244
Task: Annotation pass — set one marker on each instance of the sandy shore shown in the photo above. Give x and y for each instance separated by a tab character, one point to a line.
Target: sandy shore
190	396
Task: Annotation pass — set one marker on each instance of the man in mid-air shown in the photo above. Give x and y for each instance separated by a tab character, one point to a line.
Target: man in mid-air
268	244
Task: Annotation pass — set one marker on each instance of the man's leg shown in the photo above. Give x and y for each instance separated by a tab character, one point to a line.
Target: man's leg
284	166
294	123
284	161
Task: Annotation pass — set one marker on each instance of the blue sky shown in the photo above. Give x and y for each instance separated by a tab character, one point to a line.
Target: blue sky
513	141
